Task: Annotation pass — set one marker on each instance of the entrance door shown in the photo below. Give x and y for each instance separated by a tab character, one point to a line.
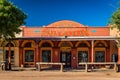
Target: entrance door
65	57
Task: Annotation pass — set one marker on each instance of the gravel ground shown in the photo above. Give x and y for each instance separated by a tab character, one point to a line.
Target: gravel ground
56	75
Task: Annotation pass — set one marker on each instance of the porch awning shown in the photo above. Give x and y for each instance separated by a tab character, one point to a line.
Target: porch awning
70	38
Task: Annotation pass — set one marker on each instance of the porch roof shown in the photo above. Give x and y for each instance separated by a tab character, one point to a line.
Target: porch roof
69	38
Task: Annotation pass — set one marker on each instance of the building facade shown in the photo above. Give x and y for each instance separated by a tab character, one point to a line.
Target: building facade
63	41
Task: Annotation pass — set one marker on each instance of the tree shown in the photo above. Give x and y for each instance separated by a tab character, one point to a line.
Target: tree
115	19
11	18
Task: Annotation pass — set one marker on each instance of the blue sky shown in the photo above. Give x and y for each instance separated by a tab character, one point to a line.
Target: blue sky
86	12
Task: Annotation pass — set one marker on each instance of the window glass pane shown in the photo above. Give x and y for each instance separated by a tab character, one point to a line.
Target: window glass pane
63	57
46	55
11	56
114	57
99	56
82	56
29	56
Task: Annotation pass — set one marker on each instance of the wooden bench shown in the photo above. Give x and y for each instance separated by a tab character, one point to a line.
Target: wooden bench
93	64
49	63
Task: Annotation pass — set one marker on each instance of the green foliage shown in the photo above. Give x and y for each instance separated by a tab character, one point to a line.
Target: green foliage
11	18
115	19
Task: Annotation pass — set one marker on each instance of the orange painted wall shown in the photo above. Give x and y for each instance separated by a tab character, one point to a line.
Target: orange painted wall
52	32
99	31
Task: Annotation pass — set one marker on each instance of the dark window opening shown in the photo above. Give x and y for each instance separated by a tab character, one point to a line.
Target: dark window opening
99	56
82	56
29	56
114	57
46	55
11	56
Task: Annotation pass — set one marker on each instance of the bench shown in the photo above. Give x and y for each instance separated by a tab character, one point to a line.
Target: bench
93	65
49	63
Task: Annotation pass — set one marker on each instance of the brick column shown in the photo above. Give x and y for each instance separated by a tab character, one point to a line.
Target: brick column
55	55
37	51
107	55
74	58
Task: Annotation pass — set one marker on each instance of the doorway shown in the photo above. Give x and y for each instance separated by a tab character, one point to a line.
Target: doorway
65	57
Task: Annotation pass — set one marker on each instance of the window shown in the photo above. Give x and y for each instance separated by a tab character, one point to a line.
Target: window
11	45
29	56
63	57
82	56
114	57
11	56
46	55
29	44
46	44
99	56
82	45
65	44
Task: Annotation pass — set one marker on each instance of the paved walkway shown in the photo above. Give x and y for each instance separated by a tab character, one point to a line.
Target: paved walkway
56	75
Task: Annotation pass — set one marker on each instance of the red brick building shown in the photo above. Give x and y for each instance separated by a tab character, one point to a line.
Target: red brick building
65	41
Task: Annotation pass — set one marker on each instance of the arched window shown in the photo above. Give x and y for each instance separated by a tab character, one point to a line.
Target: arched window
100	44
11	45
46	44
28	44
82	45
65	44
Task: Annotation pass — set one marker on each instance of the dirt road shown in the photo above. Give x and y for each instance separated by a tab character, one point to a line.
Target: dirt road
56	75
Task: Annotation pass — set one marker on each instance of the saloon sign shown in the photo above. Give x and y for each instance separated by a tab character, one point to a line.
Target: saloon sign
64	32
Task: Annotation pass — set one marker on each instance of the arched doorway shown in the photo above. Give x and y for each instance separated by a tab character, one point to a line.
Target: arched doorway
28	53
46	51
65	53
83	51
100	51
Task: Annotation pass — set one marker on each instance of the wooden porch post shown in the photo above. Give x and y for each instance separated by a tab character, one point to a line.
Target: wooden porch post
9	57
9	53
92	51
119	54
20	54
